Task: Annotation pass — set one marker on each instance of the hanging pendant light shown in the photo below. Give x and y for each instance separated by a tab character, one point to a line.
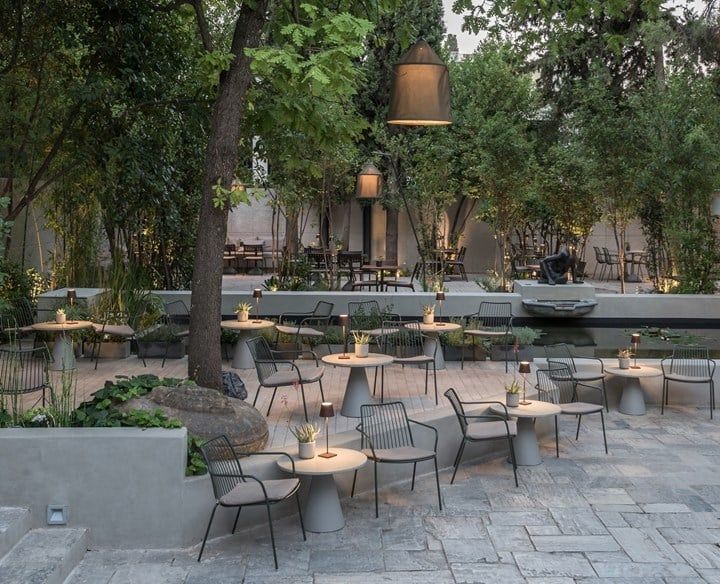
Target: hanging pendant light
420	92
369	182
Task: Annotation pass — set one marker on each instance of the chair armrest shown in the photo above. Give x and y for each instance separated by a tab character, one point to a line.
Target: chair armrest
245	477
364	437
292	315
602	365
267	453
435	432
662	363
487	402
294	351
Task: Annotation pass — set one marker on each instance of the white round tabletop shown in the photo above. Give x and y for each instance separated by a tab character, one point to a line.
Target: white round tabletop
535	409
248	325
53	327
435	327
641	371
346	459
372	360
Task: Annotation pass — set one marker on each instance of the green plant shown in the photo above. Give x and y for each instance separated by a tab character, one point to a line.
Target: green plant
428	309
305	432
243	307
195	461
525	335
361	338
491	281
624	353
514	387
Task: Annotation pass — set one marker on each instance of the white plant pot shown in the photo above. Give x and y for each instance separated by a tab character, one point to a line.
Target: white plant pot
362	351
306	449
624	362
512	400
61	318
428	318
243	316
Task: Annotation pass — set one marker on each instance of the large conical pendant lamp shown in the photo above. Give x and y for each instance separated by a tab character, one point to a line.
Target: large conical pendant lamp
369	182
420	92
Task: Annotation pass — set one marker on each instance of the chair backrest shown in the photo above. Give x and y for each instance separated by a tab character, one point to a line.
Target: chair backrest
495	315
263	357
386	424
461	255
401	341
599	255
456	404
609	256
23	312
177	312
691	360
222	464
560	353
323	309
364	315
23	370
555	384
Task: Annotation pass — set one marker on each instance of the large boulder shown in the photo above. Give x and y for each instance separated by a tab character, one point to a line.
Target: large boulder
207	413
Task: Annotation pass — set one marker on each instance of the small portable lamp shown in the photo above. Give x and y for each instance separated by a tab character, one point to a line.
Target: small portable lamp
635	340
257	295
344	322
524	369
327	411
71	296
439	298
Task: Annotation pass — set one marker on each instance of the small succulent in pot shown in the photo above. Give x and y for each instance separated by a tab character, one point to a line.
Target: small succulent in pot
60	316
243	311
624	358
428	313
306	435
512	394
362	344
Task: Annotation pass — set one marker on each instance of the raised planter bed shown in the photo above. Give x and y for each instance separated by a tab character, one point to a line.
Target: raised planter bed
156	349
504	352
108	350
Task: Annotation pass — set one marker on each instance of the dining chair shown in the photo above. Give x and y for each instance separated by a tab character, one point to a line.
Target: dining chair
482	427
24	371
113	323
233	487
386	437
493	320
557	386
306	325
688	364
561	353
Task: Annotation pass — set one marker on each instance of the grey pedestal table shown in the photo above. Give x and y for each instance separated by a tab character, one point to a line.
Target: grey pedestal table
527	450
632	400
63	354
242	358
434	330
357	390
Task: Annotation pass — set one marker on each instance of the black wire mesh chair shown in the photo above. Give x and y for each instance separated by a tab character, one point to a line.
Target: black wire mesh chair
493	320
482	427
274	372
556	385
386	437
17	320
177	318
24	371
406	343
561	353
303	325
612	261
113	323
234	488
688	364
599	262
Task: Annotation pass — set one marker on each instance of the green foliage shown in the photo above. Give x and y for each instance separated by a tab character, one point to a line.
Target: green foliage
195	461
17	283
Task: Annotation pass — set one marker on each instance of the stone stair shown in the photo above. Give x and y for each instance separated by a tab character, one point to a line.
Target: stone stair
37	556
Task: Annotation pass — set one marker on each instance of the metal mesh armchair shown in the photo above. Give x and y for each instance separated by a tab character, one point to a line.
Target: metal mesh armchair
599	262
24	371
302	325
556	385
386	437
612	261
481	427
274	372
493	320
114	323
561	353
17	320
688	364
233	488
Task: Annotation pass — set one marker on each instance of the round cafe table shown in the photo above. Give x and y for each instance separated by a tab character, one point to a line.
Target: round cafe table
434	331
527	450
357	390
632	400
242	358
63	354
322	512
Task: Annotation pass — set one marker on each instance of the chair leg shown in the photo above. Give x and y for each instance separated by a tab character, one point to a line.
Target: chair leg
165	354
272	534
663	400
604	390
412	484
602	421
513	459
236	519
96	355
302	523
557	439
377	514
207	532
375	381
322	393
352	491
271	400
458	458
382	384
437	482
302	393
435	382
577	433
257	394
427	374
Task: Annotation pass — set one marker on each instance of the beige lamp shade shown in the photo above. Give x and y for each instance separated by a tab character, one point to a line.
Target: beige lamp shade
715	205
369	182
420	91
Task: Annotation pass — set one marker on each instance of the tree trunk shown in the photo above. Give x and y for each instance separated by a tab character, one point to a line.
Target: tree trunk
292	233
392	217
204	355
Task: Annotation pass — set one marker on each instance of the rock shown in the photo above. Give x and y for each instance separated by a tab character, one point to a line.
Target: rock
233	386
207	413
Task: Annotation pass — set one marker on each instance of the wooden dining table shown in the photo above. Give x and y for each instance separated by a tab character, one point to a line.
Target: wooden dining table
379	272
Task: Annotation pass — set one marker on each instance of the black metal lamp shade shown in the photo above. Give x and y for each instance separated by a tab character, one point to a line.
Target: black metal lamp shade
327	410
257	293
440	296
71	296
524	367
420	91
369	182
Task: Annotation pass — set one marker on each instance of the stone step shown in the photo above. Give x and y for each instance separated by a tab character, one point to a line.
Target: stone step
14	523
44	556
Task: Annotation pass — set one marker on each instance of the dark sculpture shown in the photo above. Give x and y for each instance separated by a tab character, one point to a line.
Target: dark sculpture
554	268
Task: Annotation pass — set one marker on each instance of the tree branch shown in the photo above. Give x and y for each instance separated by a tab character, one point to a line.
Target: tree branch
203	28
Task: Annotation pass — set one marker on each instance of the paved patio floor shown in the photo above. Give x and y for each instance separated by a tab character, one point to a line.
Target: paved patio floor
648	513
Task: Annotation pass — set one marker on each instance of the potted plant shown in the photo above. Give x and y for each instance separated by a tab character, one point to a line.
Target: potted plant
624	358
428	313
379	261
517	347
306	435
243	311
60	316
362	344
512	394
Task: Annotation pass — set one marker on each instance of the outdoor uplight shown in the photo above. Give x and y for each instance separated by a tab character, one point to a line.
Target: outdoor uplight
257	295
344	322
439	298
369	182
326	412
635	340
420	91
524	369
